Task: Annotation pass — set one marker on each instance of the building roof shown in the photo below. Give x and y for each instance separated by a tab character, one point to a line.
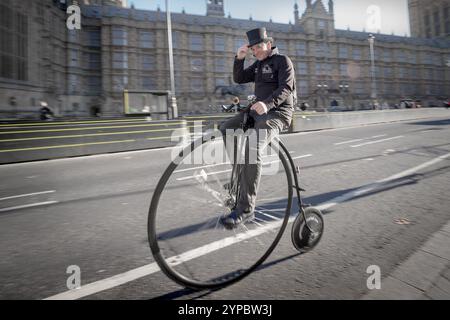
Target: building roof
93	11
359	35
319	7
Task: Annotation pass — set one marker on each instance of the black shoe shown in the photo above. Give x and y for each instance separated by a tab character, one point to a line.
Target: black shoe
236	218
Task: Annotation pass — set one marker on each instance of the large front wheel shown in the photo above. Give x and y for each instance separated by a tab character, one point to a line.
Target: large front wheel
186	237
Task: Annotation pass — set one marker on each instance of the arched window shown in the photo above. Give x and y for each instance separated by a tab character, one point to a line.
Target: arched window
427	22
437	23
446	13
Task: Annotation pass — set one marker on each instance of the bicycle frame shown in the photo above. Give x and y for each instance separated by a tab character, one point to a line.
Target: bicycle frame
295	170
298	189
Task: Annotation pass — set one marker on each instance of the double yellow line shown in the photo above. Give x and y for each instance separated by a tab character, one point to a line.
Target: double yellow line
67	122
66	146
94	134
93	128
87	143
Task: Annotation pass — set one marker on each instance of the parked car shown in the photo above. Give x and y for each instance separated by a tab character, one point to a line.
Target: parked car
407	103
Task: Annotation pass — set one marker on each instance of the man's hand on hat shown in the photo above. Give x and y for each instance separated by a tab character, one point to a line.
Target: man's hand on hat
260	108
242	52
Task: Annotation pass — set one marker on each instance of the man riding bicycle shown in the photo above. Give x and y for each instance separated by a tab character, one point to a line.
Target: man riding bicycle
274	78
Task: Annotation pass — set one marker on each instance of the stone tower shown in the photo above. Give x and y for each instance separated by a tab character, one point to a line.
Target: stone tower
429	18
215	8
317	20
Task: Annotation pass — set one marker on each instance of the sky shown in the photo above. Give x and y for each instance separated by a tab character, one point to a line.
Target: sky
387	16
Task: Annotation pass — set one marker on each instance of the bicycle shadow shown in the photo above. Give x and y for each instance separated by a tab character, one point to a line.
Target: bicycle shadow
444	122
433	150
315	200
190	294
380	187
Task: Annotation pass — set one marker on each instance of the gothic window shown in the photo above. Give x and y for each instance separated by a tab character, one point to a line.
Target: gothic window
427	21
13	43
219	43
196	42
437	23
120	60
300	48
343	52
146	39
148	62
197	65
119	36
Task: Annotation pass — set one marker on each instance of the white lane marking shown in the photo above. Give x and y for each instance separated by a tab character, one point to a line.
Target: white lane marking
357	140
203	174
372	186
376	141
294	158
146	270
28	206
268	215
349	141
105	284
228	170
27	194
206	166
223	163
272	210
303	156
415	169
149	269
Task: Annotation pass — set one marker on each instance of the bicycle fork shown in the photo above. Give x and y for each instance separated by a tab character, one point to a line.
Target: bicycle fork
297	188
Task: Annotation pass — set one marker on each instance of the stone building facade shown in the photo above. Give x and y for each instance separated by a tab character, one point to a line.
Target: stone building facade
117	48
429	18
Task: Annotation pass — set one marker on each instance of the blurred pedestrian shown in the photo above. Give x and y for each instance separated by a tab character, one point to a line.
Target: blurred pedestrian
45	113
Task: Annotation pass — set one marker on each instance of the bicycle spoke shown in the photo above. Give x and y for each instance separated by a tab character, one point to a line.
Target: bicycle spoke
201	179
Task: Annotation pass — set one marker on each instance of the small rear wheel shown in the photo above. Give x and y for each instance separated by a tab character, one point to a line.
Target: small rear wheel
304	238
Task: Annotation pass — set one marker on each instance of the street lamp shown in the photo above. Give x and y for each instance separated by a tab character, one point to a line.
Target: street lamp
321	86
373	94
172	98
343	87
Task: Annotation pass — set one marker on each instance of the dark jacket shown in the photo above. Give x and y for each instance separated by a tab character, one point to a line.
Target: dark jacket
274	80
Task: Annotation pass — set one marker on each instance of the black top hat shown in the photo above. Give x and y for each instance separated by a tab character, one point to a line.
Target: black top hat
258	35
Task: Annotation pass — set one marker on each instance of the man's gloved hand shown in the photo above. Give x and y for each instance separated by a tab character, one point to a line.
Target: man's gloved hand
242	52
260	108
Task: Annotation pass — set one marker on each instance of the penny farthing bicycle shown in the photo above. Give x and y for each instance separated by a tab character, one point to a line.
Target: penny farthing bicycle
200	186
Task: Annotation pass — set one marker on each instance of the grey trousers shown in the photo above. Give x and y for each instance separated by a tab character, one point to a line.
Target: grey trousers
267	126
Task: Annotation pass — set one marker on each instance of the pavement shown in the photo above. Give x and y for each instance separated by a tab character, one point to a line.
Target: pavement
425	275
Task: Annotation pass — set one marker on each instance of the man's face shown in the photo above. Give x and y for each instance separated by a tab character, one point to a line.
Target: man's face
261	50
